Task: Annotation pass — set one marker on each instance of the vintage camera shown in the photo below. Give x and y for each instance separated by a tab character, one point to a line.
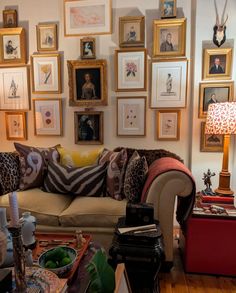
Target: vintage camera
139	214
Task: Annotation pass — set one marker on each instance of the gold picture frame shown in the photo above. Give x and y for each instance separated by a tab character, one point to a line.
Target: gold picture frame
87	82
46	37
88	48
16	125
168	124
169	37
212	92
132	31
217	64
211	142
9	18
168	8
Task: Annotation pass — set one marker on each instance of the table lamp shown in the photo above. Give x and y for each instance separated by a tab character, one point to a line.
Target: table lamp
221	119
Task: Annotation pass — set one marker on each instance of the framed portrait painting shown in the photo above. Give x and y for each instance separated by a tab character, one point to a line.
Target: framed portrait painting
131	116
169	37
168	8
130	70
87	17
169	83
16	125
87	82
211	142
9	18
88	48
168	124
211	93
88	127
46	37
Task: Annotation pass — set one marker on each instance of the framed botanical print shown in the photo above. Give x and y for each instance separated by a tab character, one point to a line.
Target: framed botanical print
47	117
14	90
131	70
131	116
16	125
212	92
88	48
168	8
87	17
168	124
87	82
169	82
9	18
211	142
46	73
88	127
169	37
46	37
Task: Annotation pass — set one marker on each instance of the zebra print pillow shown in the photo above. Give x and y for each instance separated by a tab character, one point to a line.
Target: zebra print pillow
84	181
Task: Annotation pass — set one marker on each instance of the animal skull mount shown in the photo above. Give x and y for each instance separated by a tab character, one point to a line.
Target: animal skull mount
219	29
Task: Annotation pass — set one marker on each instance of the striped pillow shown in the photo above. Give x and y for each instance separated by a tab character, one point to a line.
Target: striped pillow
86	181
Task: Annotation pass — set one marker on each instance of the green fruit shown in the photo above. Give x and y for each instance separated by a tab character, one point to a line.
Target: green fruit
50	264
65	261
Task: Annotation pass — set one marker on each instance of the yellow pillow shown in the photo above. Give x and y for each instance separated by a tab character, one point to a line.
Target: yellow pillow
78	159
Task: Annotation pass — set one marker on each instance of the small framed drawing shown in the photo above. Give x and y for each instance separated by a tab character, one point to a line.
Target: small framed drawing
87	48
217	63
130	70
47	117
211	142
131	116
168	8
46	37
169	37
88	127
168	124
9	18
169	80
87	82
46	73
131	31
16	125
12	46
14	90
85	17
214	93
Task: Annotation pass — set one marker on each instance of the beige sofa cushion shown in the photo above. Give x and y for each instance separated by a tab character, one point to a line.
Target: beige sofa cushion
93	212
46	207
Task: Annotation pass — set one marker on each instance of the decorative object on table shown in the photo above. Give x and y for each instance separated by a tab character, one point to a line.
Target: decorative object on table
88	48
168	8
28	226
219	35
210	142
6	253
9	18
80	240
168	124
16	125
14	211
46	37
29	258
207	181
221	119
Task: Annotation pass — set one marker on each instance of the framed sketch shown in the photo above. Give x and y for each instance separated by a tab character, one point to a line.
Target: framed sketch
168	8
12	46
169	37
87	82
169	83
46	37
14	91
211	142
131	116
9	18
85	17
130	70
214	93
46	73
87	48
131	31
16	125
168	124
47	117
88	127
217	63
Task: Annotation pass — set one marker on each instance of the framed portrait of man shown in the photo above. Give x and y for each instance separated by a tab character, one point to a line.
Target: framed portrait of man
46	37
210	142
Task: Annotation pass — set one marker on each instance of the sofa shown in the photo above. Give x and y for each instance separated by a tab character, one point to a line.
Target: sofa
98	215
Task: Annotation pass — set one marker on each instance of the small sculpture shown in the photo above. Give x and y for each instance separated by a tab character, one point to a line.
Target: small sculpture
80	240
207	181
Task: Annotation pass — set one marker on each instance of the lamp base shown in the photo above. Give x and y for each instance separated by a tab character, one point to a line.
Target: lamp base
224	192
224	184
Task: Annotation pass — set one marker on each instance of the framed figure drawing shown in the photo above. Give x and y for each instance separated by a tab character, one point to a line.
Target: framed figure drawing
169	37
211	142
169	82
46	37
131	116
88	48
168	8
16	125
168	124
9	18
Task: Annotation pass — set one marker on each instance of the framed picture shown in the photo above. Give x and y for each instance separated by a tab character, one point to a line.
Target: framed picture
87	82
46	73
87	48
47	117
85	17
169	37
214	93
169	82
14	90
211	142
12	46
46	37
168	8
9	18
217	63
88	127
168	124
131	116
131	31
16	125
130	69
